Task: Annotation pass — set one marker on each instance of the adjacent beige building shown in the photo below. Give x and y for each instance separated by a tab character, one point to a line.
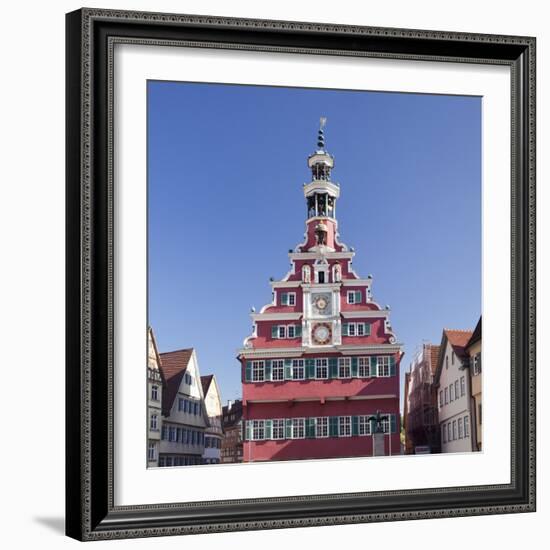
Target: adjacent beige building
473	348
154	401
214	431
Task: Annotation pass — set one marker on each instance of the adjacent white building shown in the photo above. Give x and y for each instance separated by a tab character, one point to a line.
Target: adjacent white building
214	432
154	401
453	386
184	414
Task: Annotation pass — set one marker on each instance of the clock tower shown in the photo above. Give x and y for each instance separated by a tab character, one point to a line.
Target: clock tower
322	358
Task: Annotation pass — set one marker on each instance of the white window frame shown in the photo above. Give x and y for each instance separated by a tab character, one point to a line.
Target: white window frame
385	423
291	329
291	300
363	367
351	297
446	395
460	429
152	451
257	368
360	329
457	396
321	365
298	428
278	428
466	426
462	386
278	366
154	392
364	424
383	363
452	392
172	434
298	364
344	367
344	426
281	332
454	430
153	423
476	359
352	329
257	431
321	427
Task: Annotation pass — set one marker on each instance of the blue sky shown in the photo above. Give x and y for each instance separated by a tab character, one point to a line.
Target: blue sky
226	164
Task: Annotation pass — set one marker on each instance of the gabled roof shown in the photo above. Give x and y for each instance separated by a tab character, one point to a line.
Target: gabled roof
434	354
458	340
476	336
206	381
173	365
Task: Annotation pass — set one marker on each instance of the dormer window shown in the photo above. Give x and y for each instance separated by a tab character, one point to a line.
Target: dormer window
288	298
354	296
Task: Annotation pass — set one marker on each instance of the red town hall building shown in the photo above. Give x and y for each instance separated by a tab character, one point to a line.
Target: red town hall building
322	358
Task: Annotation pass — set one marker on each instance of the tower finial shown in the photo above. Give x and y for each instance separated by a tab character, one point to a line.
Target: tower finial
321	133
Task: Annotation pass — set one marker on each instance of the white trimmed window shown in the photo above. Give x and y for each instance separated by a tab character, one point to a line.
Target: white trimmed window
354	296
344	426
172	434
258	430
449	433
321	426
288	298
278	429
152	452
454	430
446	395
460	429
462	386
298	370
364	425
452	392
298	428
258	372
344	367
385	422
352	329
360	329
278	370
383	364
291	331
155	393
477	363
364	367
466	427
457	395
154	422
281	331
321	368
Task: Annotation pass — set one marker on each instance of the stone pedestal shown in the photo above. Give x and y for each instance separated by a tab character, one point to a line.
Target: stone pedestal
378	444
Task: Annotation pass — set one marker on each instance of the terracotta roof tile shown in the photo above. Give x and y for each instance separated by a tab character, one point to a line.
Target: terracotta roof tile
459	340
173	365
434	354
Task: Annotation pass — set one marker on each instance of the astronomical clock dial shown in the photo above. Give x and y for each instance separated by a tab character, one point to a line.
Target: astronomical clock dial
322	333
321	304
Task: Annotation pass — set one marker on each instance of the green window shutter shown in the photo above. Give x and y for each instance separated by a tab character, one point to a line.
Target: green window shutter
248	430
365	325
274	331
373	365
393	423
344	329
288	428
310	427
392	366
248	371
298	331
333	426
267	429
354	366
288	369
310	368
333	367
267	370
357	296
367	329
354	425
284	299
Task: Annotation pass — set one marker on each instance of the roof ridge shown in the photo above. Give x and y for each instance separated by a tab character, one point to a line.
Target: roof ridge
176	351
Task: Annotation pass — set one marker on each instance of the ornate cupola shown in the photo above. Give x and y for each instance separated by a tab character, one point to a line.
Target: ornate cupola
321	194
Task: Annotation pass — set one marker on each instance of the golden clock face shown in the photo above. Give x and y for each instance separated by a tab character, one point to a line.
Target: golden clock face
321	333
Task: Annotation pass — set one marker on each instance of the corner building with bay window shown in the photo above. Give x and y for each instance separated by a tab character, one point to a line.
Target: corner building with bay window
322	358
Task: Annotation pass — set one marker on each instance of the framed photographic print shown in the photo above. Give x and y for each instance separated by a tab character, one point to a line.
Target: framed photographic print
245	198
